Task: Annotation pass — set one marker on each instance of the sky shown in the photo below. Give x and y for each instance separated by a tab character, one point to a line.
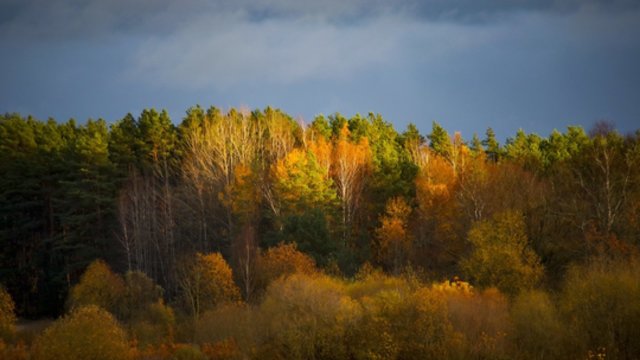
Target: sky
467	64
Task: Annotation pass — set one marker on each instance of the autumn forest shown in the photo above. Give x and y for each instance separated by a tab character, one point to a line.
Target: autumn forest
250	235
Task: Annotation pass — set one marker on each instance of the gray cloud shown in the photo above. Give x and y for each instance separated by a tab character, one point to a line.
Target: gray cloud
90	19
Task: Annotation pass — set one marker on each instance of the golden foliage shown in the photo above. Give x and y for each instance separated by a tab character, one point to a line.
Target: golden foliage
301	183
601	301
393	237
207	282
283	260
89	332
98	286
501	255
305	317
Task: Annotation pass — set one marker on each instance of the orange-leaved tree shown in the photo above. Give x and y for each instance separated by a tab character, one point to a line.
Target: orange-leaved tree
207	281
393	237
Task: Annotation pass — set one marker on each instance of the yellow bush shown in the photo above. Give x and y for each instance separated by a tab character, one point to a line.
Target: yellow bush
601	300
538	332
89	332
98	286
305	317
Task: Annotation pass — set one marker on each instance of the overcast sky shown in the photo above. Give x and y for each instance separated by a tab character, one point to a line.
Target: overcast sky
468	64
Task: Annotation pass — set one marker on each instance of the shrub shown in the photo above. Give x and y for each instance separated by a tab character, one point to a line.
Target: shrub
538	332
482	318
140	293
154	325
7	315
98	286
305	317
283	260
230	321
87	333
600	300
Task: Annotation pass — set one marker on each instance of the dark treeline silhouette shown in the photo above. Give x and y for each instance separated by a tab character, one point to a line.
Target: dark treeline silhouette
264	195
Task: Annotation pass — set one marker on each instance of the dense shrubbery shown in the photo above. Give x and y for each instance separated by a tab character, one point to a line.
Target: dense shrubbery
312	315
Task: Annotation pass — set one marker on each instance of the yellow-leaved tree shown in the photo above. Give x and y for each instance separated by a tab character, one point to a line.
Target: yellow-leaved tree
501	255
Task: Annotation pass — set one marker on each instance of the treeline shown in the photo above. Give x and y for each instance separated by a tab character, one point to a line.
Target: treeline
147	195
249	235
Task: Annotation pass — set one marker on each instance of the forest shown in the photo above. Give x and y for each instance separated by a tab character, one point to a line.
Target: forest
251	235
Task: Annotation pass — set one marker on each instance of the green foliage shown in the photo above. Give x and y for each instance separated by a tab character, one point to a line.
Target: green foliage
491	145
302	184
310	232
501	255
439	140
87	333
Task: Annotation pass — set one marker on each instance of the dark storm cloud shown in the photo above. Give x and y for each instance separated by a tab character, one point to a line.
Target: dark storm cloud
466	63
95	18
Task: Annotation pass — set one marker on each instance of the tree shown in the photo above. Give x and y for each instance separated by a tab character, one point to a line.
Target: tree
87	333
350	166
501	255
491	145
394	241
300	184
206	282
283	260
439	140
98	286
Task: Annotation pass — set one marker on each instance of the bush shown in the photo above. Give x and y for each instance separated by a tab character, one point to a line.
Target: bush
140	293
481	318
98	286
397	324
154	325
87	333
538	332
305	317
600	300
7	315
283	260
233	322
